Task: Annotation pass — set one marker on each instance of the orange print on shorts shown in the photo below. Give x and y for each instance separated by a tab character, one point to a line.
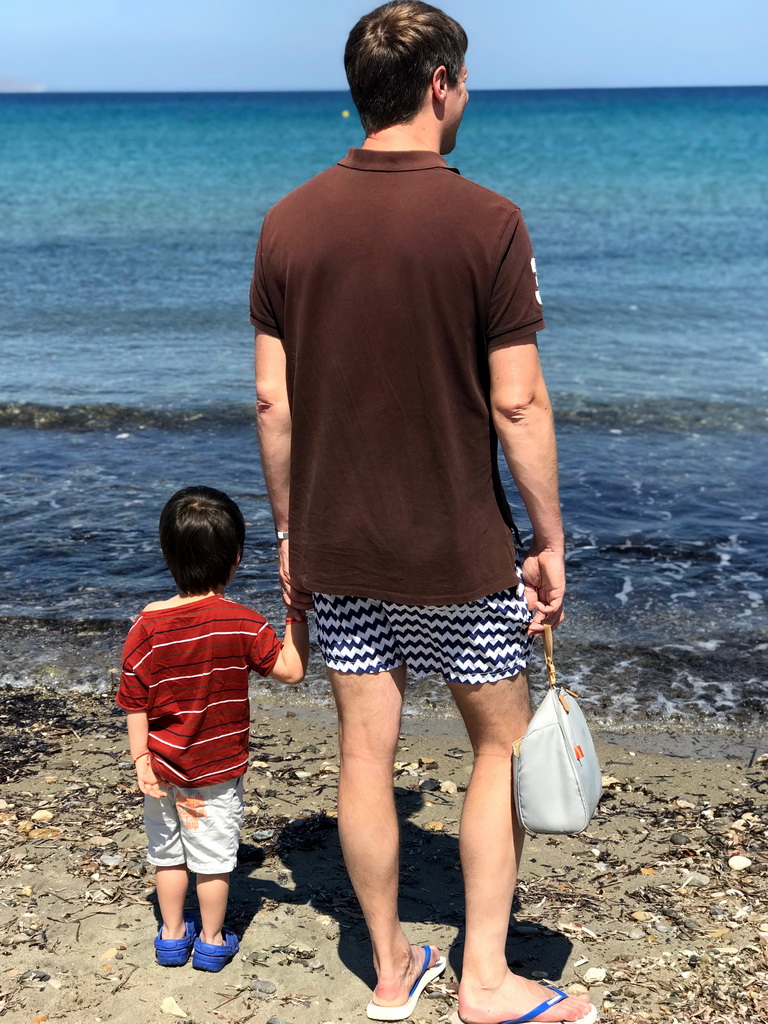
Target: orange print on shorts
190	810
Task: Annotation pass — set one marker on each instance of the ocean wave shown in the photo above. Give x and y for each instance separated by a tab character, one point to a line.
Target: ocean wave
680	415
111	416
677	415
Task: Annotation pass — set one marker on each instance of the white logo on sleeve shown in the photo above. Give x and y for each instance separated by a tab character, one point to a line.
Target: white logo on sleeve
535	278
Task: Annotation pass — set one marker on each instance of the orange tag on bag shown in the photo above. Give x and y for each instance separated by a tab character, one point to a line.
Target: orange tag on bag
579	753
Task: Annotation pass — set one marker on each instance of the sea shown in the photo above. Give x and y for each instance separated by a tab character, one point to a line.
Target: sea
127	230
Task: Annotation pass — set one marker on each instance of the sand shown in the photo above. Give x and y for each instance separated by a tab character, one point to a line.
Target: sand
643	910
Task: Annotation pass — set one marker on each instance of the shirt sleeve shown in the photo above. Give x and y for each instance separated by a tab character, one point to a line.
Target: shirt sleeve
132	691
265	650
515	307
264	316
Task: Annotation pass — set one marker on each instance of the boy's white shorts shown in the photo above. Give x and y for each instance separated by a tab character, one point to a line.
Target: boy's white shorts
197	827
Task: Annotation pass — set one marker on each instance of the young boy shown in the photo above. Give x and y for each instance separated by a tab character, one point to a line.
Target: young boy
184	686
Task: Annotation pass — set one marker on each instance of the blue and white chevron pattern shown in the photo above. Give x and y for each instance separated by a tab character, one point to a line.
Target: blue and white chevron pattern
479	642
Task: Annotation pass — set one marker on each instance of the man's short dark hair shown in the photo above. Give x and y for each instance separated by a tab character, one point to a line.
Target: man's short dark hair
391	56
202	534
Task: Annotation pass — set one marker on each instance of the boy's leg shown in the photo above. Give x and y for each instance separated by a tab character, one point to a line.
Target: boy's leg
212	896
166	853
210	820
172	883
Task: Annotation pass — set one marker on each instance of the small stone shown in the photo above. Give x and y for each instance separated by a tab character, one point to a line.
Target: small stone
429	785
100	841
35	976
662	928
266	988
696	880
434	826
635	933
539	975
577	990
110	860
678	839
763	926
277	1020
595	976
739	863
691	925
42	816
716	911
316	965
303	774
641	915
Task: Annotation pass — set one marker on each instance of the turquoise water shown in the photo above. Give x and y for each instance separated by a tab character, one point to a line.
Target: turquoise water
127	230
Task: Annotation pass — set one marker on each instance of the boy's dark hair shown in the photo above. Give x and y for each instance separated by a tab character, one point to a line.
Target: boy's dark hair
391	55
202	534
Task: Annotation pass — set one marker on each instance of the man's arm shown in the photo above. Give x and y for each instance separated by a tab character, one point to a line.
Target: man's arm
273	420
523	420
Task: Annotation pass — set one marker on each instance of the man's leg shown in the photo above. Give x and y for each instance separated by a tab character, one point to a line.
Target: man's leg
491	841
369	708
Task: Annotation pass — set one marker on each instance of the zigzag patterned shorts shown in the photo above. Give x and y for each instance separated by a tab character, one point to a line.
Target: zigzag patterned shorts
479	642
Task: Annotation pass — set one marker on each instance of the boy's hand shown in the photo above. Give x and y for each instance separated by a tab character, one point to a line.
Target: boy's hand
147	779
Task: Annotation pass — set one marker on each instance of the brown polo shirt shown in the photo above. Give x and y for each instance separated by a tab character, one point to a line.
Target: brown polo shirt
387	277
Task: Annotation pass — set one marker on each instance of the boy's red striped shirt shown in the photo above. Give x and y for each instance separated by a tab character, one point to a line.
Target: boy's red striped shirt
187	667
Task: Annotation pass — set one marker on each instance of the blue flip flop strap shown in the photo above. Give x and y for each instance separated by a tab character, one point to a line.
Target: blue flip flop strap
558	998
427	958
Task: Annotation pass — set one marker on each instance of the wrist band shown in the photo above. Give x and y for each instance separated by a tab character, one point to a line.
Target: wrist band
293	620
146	753
281	534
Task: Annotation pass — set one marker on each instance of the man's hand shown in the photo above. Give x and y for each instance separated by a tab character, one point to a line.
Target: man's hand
146	778
295	600
544	582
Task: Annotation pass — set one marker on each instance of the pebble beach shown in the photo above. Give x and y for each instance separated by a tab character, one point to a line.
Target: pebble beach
659	911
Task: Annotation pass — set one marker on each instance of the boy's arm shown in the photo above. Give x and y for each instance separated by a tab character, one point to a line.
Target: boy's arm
291	664
138	738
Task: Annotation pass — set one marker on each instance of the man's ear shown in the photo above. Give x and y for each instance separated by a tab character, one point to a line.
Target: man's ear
440	84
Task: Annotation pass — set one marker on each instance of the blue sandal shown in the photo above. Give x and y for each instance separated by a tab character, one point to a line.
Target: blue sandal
558	997
175	952
207	957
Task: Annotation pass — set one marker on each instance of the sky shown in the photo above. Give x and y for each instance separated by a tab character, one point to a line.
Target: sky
181	45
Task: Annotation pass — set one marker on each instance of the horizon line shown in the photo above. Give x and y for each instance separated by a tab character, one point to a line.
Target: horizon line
45	91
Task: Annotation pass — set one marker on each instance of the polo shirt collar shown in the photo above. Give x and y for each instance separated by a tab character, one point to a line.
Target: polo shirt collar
393	160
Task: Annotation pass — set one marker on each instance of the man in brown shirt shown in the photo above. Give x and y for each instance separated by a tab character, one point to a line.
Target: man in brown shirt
395	306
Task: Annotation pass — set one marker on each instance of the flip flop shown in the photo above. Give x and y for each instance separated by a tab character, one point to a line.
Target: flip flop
376	1012
559	996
